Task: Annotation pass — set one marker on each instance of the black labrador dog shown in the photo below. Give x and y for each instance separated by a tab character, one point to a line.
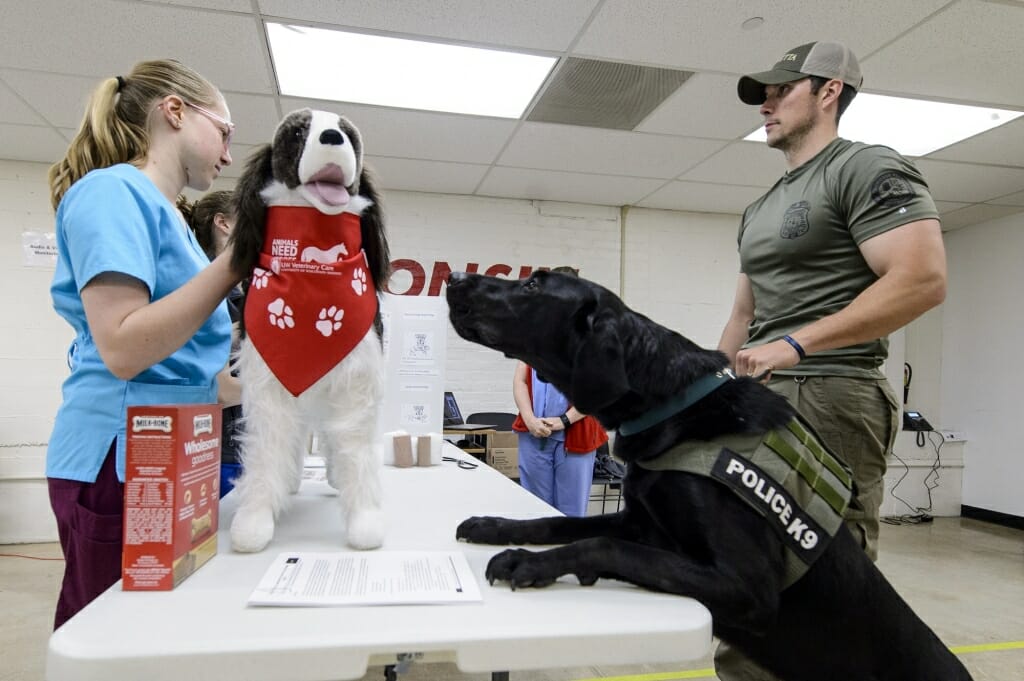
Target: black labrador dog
679	532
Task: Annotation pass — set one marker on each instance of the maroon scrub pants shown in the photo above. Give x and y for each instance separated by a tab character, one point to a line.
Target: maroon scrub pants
89	521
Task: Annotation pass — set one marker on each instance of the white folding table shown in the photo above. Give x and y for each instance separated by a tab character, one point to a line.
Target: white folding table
204	630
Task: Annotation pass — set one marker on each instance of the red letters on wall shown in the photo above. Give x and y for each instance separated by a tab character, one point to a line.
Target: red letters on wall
440	272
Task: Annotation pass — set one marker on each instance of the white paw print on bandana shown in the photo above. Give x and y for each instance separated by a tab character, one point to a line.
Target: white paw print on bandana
281	314
259	278
359	281
329	320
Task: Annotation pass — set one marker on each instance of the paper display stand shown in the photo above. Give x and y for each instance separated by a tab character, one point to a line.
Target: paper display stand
415	348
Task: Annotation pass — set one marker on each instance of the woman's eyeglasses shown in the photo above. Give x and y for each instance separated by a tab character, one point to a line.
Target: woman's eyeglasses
229	128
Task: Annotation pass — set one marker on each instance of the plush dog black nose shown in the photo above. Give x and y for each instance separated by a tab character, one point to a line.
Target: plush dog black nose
331	137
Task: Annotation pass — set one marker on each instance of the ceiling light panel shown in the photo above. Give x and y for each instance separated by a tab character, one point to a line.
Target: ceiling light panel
353	67
913	127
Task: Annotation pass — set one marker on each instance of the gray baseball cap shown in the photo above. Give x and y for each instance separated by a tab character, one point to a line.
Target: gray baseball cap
826	60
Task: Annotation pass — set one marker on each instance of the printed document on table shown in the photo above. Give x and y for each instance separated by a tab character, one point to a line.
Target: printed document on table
367	578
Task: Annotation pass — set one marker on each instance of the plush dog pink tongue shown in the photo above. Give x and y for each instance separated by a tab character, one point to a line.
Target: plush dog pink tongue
328	184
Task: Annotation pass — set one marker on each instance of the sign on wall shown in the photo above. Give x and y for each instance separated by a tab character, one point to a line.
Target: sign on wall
415	349
39	249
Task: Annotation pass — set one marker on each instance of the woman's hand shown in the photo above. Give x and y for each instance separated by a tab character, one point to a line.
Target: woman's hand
538	427
554	423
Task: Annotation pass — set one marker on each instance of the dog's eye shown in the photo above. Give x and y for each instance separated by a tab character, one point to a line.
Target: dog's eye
530	285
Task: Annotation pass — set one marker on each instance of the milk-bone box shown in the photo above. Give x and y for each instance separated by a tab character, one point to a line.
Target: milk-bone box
170	493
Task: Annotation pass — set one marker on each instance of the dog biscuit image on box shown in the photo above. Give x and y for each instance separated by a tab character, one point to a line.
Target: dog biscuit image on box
202	525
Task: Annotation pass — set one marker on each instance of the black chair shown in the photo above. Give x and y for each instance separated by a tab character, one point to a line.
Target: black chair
608	474
499	419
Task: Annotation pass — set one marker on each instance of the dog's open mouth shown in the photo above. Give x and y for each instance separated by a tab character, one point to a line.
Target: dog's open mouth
328	185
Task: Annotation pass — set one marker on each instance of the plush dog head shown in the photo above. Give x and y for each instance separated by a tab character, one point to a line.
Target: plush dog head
577	335
316	159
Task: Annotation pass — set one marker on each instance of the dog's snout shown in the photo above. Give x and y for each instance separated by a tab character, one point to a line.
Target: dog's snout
331	137
456	278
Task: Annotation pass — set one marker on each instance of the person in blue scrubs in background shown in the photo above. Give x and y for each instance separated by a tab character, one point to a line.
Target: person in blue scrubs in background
557	443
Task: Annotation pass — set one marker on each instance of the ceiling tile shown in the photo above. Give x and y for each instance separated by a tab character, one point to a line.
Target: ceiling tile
255	117
59	99
225	5
614	152
701	197
708	35
693	137
421	134
969	182
227	48
31	143
1002	146
747	163
537	24
605	190
13	109
984	39
706	105
426	176
1016	199
949	206
976	214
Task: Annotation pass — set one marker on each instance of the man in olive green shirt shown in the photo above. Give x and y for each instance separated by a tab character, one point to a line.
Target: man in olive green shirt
845	249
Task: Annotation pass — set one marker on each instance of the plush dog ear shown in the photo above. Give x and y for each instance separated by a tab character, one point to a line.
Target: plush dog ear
250	212
371	223
599	367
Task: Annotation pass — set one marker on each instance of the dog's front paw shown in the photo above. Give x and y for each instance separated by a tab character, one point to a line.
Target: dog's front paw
520	567
366	530
252	529
486	530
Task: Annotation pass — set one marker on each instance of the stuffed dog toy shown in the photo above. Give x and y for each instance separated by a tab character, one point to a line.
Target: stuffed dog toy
310	229
730	499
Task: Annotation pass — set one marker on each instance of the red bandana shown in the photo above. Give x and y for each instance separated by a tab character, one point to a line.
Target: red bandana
311	300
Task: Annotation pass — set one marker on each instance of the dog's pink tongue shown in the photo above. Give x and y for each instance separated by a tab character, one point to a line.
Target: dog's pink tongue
331	193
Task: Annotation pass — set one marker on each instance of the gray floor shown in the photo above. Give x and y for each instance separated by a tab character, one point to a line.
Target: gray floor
965	578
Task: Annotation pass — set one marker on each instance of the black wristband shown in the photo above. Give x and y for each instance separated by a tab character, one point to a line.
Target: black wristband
565	421
796	346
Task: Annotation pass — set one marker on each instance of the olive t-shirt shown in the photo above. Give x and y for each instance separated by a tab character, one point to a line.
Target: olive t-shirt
798	244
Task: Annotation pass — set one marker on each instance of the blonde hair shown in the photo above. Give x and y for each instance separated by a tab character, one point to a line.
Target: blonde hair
115	128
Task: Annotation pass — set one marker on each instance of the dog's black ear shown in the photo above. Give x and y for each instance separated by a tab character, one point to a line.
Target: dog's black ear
250	212
599	368
375	242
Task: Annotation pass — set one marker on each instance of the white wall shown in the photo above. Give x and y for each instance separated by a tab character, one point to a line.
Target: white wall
981	360
33	344
678	268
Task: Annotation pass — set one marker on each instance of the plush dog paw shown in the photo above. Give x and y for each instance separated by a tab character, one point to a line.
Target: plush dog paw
520	568
366	530
252	529
487	530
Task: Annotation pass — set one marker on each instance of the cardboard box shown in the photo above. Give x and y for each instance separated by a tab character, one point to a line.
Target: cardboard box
503	453
171	494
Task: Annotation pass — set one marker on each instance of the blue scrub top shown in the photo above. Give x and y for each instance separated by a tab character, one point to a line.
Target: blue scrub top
116	220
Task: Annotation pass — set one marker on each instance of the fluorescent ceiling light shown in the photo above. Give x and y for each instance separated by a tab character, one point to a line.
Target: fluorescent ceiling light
369	69
913	127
